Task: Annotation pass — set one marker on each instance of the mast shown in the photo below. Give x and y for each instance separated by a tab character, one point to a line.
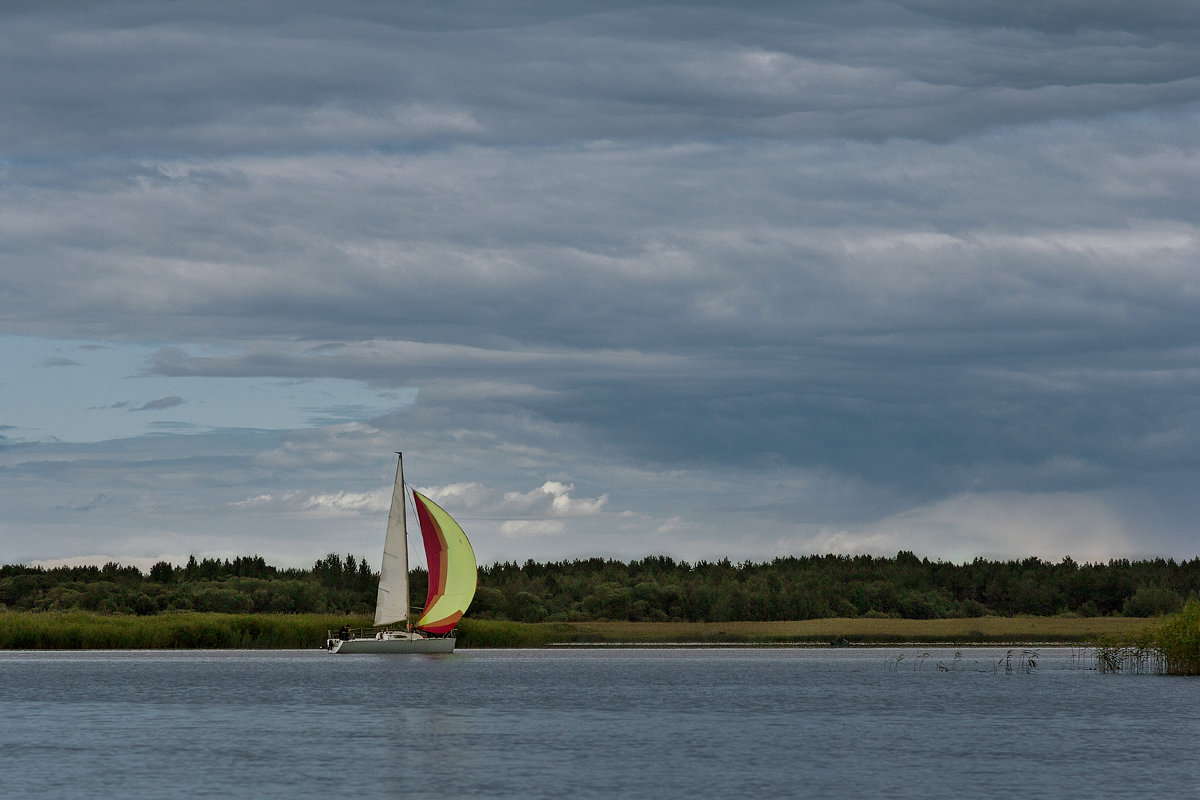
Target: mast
391	604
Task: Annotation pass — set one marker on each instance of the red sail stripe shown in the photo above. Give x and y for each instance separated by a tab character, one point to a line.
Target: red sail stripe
435	557
443	625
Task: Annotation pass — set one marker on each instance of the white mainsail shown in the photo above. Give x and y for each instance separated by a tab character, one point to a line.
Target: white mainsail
391	604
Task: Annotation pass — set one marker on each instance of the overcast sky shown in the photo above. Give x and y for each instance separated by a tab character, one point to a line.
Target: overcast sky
697	279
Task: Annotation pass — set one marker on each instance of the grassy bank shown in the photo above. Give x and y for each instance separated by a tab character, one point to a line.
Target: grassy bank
981	630
79	630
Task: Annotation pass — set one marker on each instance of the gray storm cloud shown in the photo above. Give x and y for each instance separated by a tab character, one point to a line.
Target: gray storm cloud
837	276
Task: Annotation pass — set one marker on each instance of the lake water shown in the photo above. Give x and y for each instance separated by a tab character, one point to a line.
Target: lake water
657	723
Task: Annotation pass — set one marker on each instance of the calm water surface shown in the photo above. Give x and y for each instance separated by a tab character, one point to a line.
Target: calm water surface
591	723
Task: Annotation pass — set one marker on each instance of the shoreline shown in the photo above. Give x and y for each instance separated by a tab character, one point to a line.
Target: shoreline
810	645
827	632
21	630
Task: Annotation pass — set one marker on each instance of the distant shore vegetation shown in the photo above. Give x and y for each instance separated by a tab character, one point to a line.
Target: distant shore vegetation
655	589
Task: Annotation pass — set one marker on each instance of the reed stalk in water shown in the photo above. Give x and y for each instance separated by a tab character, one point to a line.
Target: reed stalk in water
1170	648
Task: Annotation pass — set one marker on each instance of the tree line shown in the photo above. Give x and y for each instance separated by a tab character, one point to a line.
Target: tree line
244	585
657	588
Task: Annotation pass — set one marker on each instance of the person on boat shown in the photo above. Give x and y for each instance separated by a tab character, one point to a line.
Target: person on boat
344	633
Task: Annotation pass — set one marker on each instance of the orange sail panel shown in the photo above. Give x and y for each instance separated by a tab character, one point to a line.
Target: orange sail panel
452	569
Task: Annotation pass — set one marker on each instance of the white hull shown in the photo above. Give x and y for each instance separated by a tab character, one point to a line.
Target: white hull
394	643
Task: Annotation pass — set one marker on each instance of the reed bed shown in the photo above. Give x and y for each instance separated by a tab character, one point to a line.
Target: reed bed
1171	647
490	633
859	630
82	630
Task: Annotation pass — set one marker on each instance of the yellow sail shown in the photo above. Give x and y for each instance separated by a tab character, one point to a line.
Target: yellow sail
452	570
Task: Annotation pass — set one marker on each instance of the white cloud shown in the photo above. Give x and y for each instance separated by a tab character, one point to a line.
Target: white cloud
344	502
531	528
553	497
466	495
251	502
672	525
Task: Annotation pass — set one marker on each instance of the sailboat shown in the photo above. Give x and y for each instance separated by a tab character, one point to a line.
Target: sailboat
452	581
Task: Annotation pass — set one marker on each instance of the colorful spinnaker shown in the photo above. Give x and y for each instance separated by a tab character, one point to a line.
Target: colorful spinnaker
452	569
